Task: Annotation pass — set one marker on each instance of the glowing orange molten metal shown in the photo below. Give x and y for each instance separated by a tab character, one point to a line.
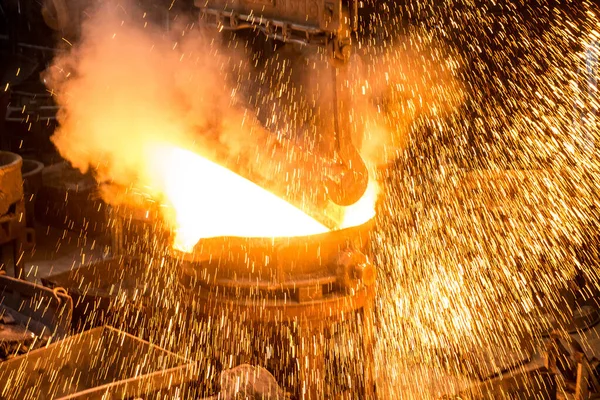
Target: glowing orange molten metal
207	200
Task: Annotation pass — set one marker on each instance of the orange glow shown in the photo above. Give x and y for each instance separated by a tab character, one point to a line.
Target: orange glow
208	200
363	210
138	123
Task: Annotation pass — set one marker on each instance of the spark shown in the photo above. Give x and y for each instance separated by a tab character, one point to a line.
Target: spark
485	117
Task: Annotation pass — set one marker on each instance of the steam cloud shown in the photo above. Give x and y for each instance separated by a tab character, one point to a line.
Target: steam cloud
126	85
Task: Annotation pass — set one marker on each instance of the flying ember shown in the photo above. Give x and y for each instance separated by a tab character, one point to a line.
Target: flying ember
299	200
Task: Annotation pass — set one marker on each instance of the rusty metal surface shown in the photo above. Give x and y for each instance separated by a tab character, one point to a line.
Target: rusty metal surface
11	182
274	258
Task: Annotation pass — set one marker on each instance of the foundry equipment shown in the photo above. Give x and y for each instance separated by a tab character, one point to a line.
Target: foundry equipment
13	229
328	25
296	299
313	288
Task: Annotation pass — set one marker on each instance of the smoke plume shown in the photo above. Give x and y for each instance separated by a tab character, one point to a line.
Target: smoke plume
127	85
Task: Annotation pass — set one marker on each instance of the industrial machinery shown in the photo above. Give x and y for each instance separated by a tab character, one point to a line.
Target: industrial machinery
310	293
288	305
293	299
12	209
328	25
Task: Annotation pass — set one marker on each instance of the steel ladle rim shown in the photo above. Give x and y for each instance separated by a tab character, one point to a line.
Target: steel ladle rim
9	160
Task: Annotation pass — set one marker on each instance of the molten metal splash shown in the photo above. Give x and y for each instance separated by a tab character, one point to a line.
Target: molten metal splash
207	200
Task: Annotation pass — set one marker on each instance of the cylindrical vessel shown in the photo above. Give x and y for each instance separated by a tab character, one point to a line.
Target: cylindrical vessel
11	181
32	182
